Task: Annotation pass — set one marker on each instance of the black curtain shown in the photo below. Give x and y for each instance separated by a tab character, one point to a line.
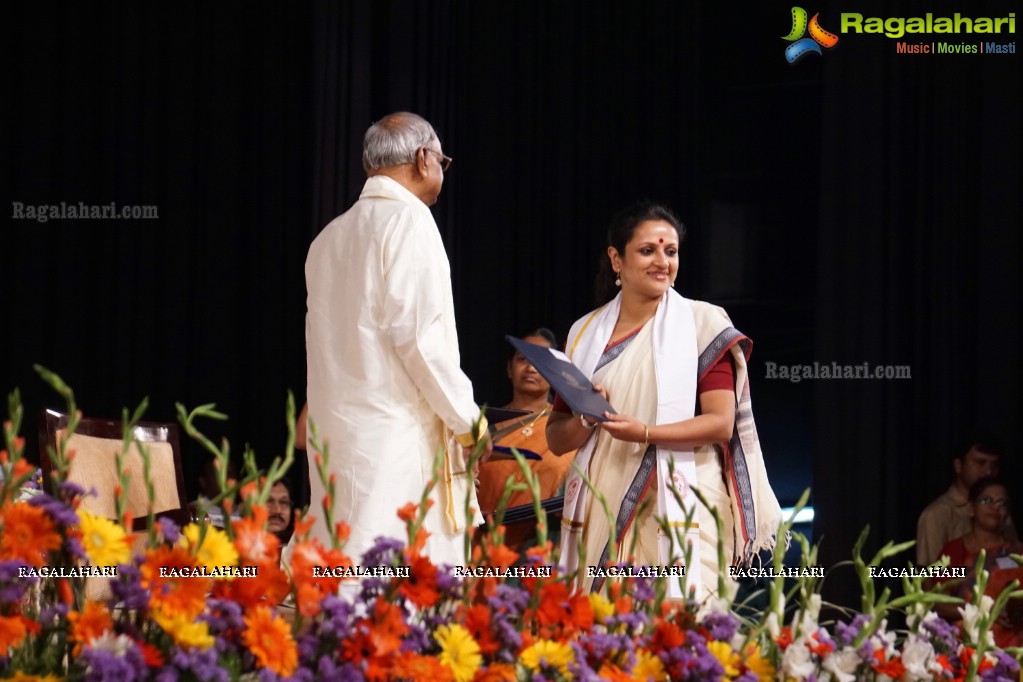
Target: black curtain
203	112
918	265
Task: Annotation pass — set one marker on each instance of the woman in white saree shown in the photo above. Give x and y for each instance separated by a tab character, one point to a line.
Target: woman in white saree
675	371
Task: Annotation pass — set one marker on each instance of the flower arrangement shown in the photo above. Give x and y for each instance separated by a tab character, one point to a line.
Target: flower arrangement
174	613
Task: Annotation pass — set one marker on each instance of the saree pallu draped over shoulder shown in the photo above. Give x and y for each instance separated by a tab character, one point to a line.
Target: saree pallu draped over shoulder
653	376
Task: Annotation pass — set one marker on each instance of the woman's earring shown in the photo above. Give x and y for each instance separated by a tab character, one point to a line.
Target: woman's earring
618	279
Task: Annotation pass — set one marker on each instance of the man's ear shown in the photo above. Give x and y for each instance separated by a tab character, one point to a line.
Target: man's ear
422	169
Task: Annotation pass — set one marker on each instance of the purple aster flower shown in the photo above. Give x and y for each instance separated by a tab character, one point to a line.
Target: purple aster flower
846	633
222	615
49	614
12	585
167	674
509	598
168	529
580	668
127	589
104	665
418	638
447	584
748	676
57	510
335	618
944	636
267	675
74	548
70	490
721	626
201	663
384	552
1005	669
509	635
643	589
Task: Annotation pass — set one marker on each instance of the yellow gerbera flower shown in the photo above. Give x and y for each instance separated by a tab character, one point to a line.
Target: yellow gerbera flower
758	665
105	542
458	651
216	550
547	654
648	667
728	658
186	632
602	608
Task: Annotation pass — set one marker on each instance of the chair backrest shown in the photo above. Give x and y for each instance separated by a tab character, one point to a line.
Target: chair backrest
96	443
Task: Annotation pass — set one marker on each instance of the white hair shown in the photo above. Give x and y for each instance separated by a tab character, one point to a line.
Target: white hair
395	139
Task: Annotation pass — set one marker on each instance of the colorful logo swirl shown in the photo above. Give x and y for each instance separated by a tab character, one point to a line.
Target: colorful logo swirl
801	46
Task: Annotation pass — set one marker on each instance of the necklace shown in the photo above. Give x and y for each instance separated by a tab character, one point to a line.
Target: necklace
527	427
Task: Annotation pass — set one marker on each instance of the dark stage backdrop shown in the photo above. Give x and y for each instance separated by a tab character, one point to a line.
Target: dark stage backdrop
858	206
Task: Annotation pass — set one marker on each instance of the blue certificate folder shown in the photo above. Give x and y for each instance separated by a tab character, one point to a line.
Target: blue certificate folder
565	378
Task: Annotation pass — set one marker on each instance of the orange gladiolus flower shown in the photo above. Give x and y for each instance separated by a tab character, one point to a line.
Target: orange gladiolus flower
174	595
303	524
251	539
28	533
307	557
408	512
88	624
269	639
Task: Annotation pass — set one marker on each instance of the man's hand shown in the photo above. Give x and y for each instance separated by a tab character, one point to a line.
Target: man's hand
488	450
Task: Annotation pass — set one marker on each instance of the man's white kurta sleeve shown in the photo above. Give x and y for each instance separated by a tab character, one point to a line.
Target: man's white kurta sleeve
418	318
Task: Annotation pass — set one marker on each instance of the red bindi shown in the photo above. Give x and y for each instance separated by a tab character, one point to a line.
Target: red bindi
660	241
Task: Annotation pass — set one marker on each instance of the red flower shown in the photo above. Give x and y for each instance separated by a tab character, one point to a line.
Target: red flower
893	667
477	621
420	587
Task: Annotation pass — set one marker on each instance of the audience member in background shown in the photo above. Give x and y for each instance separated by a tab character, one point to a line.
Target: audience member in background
280	508
949	516
530	391
989	506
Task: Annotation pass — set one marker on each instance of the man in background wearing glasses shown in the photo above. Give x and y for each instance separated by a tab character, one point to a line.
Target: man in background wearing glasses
385	386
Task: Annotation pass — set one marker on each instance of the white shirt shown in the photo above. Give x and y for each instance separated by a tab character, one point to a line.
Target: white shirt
385	387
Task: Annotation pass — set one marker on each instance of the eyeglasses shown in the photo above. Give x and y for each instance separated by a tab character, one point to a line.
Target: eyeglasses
1001	502
445	161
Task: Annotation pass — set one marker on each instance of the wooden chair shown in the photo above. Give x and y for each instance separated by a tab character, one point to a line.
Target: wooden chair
96	443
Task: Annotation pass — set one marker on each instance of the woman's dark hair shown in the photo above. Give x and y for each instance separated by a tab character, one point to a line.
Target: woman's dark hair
539	331
619	232
982	484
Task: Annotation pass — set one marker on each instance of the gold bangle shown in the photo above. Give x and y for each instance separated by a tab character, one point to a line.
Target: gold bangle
646	434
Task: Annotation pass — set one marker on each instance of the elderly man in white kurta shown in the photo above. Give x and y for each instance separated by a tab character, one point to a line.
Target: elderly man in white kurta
385	386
